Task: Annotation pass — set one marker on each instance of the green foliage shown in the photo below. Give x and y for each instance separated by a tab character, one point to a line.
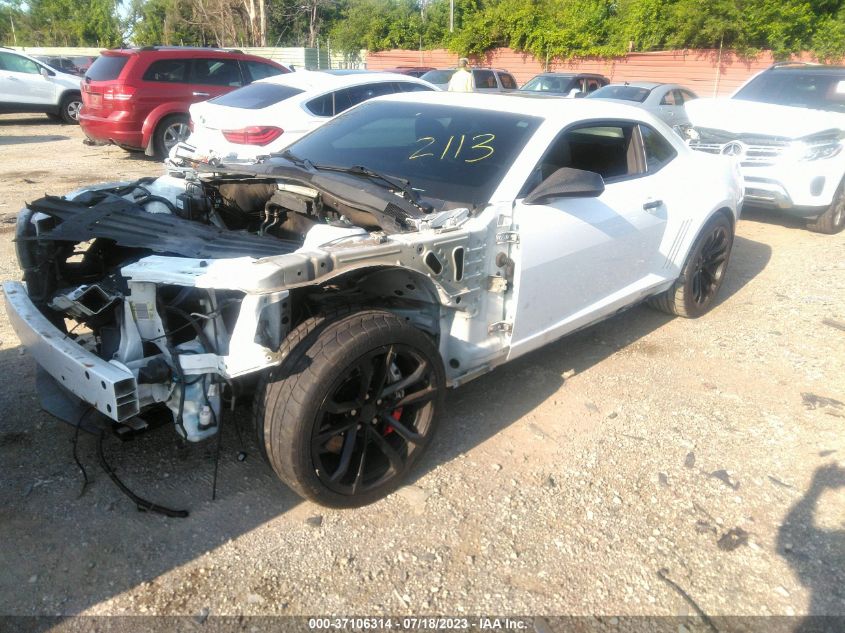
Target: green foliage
543	28
829	38
163	22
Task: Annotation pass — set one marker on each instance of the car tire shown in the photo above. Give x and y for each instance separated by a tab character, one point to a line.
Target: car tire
69	108
170	130
353	406
694	292
832	221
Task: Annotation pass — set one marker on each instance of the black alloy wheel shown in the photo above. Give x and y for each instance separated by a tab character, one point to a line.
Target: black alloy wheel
372	420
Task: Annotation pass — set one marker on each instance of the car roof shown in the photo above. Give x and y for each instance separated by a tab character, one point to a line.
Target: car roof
816	69
554	74
317	80
181	51
517	103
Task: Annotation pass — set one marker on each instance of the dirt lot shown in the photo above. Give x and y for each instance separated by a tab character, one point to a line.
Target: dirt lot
603	474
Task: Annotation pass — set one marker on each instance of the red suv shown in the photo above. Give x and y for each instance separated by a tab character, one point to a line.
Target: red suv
138	98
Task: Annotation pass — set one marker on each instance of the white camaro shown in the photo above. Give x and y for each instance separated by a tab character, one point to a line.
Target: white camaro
268	115
472	228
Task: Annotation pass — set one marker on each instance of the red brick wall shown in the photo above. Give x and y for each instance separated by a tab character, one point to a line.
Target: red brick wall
700	70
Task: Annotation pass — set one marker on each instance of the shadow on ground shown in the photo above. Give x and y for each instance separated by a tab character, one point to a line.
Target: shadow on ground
28	140
815	554
100	546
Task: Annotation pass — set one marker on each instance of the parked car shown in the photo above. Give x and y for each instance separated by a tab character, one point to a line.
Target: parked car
28	85
83	62
138	98
413	71
62	64
565	83
483	79
473	228
270	114
665	101
786	127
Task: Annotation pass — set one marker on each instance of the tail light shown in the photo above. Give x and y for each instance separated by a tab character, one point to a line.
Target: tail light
253	135
118	95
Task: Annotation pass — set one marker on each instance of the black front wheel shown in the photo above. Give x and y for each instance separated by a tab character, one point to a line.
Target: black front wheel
352	408
69	108
695	291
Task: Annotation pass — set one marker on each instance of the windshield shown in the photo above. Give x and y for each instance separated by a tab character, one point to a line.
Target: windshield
803	90
447	153
438	76
626	93
546	83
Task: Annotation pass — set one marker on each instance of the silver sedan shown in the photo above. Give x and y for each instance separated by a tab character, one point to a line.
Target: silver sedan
665	101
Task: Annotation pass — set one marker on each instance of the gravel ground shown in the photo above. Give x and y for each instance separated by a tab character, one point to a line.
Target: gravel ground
602	474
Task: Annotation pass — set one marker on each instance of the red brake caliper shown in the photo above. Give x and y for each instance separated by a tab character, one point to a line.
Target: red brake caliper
396	415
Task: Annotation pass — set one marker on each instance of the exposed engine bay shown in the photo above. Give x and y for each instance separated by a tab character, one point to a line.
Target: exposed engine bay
169	292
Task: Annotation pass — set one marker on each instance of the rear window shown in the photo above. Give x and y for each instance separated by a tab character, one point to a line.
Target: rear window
168	71
106	67
407	86
625	93
256	96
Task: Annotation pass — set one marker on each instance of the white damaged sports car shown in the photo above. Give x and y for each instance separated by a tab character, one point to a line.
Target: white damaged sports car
411	244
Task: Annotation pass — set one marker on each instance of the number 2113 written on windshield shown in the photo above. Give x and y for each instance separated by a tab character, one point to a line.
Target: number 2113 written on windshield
469	149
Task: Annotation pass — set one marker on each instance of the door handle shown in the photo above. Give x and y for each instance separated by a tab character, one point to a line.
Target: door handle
201	94
652	205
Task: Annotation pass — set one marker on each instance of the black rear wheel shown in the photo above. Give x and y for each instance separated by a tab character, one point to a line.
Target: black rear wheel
344	422
694	292
832	221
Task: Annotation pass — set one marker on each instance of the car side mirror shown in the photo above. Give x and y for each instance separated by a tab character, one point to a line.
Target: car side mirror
579	95
44	72
566	183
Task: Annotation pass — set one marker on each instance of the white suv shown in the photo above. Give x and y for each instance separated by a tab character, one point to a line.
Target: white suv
786	126
28	85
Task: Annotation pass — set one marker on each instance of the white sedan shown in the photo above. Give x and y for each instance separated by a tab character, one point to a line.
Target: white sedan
270	114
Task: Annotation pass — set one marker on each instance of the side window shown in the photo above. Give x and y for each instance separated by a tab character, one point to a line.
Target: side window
322	106
658	151
17	64
484	80
669	99
592	85
168	70
609	150
216	72
256	70
345	99
688	96
508	82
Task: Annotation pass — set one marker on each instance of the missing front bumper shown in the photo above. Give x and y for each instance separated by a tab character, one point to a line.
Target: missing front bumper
109	389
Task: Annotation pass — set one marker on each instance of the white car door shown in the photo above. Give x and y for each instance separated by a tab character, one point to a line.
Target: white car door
579	259
21	81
